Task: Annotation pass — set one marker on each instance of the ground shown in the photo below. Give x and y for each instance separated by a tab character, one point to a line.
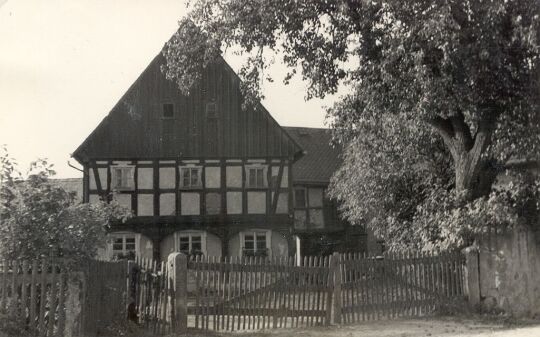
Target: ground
444	327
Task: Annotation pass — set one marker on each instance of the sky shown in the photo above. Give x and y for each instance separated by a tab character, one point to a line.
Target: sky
65	63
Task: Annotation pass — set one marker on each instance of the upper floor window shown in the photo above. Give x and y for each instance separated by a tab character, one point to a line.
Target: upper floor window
190	177
168	111
256	177
122	177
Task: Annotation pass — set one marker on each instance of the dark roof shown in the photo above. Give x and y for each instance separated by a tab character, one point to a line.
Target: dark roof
135	128
320	159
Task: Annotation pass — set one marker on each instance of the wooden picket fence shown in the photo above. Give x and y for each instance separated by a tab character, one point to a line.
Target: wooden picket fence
251	293
151	298
398	285
34	293
257	293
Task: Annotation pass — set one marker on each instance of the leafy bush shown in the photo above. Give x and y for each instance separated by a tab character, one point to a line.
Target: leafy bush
40	219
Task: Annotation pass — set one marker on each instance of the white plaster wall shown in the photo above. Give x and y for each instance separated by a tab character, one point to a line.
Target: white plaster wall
213	203
213	177
279	245
123	200
145	178
234	176
166	247
145	204
167	177
93	198
167	204
234	202
256	202
234	245
103	172
191	203
283	203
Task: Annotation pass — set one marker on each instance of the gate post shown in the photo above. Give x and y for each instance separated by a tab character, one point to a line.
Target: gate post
177	270
472	275
132	314
335	277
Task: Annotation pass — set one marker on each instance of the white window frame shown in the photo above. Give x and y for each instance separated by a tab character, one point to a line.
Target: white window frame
183	170
190	234
254	232
123	235
264	169
130	177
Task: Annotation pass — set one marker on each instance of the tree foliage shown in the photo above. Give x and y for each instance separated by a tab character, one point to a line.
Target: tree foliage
442	95
40	219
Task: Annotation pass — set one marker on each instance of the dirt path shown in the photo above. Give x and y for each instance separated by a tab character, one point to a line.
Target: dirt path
405	328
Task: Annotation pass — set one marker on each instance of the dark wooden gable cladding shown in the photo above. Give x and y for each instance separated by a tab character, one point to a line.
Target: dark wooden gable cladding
209	122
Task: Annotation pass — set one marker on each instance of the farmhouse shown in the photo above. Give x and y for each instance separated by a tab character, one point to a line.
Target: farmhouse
202	175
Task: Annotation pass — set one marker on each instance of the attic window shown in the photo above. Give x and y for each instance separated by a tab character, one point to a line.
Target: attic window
211	110
303	133
168	111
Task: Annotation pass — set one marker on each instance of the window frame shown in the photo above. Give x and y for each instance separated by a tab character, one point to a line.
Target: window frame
304	190
190	168
124	236
263	169
130	179
163	111
254	233
190	235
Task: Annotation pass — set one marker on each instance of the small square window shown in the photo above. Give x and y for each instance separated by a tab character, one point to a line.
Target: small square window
168	111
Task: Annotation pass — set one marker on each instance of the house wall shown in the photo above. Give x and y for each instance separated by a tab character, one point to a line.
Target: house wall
278	244
156	187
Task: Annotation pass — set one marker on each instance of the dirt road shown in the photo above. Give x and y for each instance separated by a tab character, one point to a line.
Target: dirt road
407	328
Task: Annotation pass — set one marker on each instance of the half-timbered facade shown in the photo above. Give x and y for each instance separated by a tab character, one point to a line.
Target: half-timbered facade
201	174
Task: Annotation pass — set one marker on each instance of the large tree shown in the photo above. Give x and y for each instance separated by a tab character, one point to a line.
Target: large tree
432	83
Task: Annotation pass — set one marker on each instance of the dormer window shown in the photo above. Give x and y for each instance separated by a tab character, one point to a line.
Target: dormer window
122	178
168	111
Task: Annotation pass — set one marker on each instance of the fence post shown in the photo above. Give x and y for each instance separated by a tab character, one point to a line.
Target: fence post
177	264
73	306
335	274
472	275
131	309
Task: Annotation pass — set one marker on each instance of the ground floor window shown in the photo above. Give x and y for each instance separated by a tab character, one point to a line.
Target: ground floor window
255	243
124	246
191	244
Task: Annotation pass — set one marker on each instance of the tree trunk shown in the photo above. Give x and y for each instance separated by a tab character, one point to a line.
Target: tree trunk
466	151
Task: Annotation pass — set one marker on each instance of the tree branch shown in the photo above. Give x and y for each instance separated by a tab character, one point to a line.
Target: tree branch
462	131
445	128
